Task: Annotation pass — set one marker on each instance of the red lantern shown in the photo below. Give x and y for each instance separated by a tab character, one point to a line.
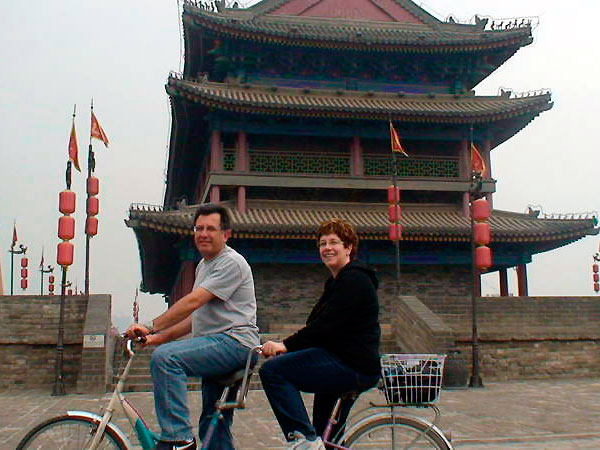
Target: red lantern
483	257
23	283
66	203
51	279
64	255
395	231
481	233
66	228
390	195
481	210
93	185
596	278
394	213
596	287
23	273
24	261
595	268
69	291
91	226
93	205
51	288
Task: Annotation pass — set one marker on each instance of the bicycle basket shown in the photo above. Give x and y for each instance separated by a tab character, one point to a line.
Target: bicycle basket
412	379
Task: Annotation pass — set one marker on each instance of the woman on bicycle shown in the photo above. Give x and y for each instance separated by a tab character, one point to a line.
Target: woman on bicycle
336	352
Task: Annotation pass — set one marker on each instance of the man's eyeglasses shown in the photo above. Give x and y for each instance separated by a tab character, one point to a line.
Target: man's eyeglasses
332	243
208	229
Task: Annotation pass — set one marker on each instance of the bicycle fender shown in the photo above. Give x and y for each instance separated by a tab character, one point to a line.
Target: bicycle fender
98	419
383	415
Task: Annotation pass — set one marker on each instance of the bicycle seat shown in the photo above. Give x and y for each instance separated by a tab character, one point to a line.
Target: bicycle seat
230	378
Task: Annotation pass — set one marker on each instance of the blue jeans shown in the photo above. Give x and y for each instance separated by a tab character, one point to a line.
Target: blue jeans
172	363
313	370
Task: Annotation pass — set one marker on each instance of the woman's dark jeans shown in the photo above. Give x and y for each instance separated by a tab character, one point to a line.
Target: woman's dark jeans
313	370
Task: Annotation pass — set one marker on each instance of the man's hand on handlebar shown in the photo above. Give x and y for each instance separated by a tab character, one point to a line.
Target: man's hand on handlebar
136	330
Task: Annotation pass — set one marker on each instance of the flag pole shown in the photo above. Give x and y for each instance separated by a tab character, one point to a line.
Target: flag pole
397	242
91	167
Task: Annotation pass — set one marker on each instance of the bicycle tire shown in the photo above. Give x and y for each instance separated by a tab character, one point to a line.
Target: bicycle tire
377	434
68	432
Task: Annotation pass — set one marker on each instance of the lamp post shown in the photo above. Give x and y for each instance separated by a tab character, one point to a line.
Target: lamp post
48	269
22	250
474	193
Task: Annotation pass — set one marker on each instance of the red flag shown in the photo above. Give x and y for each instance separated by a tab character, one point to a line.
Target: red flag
73	148
396	145
97	132
477	162
14	239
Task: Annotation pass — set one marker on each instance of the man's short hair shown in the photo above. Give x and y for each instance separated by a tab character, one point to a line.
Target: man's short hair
208	209
344	231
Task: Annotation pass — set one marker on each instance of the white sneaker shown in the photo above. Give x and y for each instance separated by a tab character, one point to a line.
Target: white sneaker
301	443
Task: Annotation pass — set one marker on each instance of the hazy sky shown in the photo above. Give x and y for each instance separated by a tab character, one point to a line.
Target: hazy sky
57	53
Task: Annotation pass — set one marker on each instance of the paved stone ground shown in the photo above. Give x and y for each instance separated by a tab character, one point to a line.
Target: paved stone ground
557	414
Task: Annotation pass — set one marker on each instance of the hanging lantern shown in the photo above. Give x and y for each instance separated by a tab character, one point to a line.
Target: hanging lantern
481	210
24	261
51	279
595	268
64	255
596	287
395	231
93	205
66	228
394	213
93	185
69	291
483	257
390	195
23	283
51	288
481	233
596	278
23	273
91	226
66	203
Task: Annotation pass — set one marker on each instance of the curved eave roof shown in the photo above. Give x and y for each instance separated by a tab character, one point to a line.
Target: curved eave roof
436	108
343	33
272	219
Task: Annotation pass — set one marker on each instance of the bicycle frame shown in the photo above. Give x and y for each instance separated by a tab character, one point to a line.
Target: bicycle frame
146	437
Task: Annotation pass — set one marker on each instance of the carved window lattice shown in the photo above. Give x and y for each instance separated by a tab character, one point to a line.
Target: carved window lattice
292	162
411	167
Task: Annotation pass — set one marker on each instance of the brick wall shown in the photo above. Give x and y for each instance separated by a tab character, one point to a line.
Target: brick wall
28	336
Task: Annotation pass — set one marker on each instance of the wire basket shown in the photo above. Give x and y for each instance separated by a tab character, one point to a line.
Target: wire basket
412	379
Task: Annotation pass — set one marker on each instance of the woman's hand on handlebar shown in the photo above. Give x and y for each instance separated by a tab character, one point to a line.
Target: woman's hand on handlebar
272	348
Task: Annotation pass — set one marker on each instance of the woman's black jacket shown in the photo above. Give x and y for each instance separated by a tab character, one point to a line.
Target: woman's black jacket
345	321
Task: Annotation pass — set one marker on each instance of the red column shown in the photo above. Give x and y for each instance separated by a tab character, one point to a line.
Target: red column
356	155
503	274
242	164
216	162
522	280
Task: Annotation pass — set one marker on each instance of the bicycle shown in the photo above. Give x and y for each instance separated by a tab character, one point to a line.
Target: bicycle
79	430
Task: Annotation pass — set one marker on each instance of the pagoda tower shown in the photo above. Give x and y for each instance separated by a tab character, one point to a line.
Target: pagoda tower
281	114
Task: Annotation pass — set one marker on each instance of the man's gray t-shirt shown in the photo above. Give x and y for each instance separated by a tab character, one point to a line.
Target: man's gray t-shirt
229	278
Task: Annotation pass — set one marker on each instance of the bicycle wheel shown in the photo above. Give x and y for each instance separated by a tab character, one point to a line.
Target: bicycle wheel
396	433
68	432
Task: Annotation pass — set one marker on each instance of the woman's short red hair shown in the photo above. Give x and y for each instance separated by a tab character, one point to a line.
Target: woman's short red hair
343	230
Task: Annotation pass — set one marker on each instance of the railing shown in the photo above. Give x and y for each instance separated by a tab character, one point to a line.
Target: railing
321	163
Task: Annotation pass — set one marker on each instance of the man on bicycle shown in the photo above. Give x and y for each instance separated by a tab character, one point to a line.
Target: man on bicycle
220	312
